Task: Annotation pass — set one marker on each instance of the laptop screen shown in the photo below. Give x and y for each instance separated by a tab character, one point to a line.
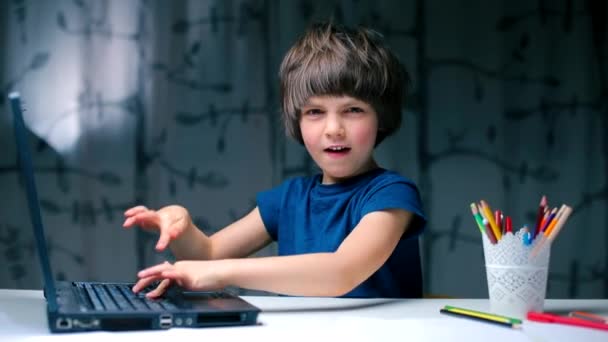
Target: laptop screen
27	172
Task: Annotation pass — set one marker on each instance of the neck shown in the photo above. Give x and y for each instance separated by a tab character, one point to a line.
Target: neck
371	165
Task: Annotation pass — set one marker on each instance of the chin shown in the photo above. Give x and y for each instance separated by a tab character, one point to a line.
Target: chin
338	175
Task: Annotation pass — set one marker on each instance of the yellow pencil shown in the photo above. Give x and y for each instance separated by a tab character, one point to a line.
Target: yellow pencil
481	314
490	217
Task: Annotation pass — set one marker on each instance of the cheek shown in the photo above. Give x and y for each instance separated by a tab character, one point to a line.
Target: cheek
308	135
365	135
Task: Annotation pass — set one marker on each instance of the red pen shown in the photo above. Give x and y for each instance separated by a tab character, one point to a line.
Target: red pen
498	220
508	225
552	318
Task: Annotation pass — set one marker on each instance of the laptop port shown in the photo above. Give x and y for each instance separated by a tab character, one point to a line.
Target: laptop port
118	324
63	323
219	319
165	321
86	323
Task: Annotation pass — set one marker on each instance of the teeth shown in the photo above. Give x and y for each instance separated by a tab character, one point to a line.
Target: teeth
336	148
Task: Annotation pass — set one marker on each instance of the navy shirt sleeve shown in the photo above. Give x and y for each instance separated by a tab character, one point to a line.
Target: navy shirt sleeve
398	195
269	203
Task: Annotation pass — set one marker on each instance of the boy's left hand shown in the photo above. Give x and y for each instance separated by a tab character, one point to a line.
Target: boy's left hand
191	275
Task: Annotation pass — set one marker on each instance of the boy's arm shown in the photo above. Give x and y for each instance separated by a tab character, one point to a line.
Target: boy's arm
239	239
361	254
318	274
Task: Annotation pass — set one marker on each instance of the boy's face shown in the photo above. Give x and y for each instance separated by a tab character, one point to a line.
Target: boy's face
339	132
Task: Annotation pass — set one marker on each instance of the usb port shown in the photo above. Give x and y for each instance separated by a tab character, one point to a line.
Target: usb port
165	321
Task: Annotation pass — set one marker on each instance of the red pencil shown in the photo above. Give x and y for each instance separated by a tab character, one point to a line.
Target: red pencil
551	318
489	231
539	216
588	316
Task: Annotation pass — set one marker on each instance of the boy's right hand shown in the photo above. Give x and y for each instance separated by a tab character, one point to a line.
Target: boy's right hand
170	221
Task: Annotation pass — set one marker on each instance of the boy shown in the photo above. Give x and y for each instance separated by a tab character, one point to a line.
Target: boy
350	231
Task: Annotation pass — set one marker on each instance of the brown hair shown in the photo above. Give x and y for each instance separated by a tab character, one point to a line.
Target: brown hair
333	60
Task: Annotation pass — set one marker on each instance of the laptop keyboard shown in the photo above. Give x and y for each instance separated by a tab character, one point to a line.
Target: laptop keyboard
118	297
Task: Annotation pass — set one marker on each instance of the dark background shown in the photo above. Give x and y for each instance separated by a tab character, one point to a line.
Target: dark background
160	102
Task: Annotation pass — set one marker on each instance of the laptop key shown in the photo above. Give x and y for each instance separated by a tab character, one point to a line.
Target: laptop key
118	297
167	305
104	297
83	298
154	305
93	297
138	300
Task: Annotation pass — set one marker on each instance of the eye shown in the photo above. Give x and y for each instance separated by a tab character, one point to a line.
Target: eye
355	110
313	112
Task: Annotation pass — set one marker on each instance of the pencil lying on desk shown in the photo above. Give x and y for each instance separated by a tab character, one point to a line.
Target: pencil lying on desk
552	318
481	316
588	316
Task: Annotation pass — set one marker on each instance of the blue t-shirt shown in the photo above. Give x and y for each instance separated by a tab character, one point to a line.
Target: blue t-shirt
305	216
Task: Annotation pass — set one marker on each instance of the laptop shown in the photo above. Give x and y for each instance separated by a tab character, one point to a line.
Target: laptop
87	306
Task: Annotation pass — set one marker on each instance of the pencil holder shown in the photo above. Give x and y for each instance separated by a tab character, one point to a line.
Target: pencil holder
517	281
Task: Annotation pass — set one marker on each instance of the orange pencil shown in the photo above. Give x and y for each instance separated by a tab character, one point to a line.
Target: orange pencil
555	230
550	218
560	224
555	220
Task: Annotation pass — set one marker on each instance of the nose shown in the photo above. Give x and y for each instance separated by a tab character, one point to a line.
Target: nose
334	127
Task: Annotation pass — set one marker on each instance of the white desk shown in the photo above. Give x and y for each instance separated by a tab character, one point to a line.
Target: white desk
23	318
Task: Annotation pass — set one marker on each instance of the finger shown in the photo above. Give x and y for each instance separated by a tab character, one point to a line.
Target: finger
142	284
154	271
132	221
177	277
135	210
128	223
146	219
163	240
172	274
160	289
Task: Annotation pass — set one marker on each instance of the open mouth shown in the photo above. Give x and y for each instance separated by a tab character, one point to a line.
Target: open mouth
337	150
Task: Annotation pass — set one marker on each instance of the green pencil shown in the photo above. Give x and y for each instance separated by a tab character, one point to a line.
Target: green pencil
503	323
484	314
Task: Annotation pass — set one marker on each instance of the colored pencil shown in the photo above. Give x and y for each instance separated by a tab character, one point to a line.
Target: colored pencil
484	314
553	234
540	214
560	223
478	318
550	218
488	214
588	316
552	318
478	218
489	232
